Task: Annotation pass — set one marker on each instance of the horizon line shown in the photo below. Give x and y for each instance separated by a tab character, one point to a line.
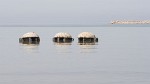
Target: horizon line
50	25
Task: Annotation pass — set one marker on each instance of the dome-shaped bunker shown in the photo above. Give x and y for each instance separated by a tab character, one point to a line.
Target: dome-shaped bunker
63	37
87	37
30	38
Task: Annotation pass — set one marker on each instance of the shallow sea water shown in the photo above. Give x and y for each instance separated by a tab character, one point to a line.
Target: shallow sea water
122	56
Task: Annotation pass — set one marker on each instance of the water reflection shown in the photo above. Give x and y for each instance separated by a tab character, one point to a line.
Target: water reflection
88	47
62	47
61	44
30	48
91	43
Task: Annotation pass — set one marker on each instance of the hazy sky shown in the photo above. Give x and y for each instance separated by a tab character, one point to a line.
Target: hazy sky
72	11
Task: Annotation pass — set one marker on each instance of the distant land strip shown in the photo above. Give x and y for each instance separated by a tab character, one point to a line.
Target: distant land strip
130	22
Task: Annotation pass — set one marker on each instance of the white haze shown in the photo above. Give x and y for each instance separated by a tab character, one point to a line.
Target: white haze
71	12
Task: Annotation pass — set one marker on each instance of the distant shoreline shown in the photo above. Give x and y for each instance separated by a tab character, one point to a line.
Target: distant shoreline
130	22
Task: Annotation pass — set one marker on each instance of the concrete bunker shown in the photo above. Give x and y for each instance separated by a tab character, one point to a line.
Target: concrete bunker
30	38
63	37
87	37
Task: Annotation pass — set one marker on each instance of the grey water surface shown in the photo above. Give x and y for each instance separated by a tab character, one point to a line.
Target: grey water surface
122	56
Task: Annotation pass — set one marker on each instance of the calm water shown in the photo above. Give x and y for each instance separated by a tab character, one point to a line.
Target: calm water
122	56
